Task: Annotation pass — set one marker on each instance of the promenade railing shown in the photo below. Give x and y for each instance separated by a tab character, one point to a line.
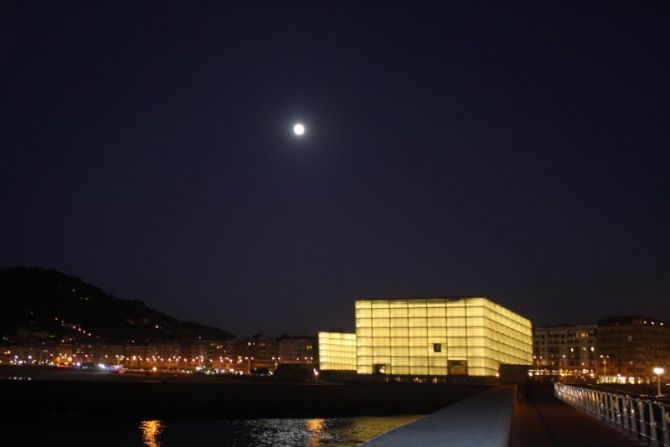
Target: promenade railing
642	419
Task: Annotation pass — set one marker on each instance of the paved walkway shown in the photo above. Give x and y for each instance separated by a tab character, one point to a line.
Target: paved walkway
544	420
479	421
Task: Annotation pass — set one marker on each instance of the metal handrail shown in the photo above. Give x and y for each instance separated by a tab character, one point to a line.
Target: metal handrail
644	420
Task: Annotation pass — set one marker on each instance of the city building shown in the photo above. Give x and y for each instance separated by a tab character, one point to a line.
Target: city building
565	350
256	353
337	351
430	337
184	357
629	347
622	349
297	350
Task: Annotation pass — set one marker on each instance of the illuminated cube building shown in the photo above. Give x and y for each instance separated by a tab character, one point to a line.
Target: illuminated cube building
430	337
337	351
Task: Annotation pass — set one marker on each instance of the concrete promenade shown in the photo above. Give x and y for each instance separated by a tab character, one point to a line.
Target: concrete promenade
543	420
482	421
497	418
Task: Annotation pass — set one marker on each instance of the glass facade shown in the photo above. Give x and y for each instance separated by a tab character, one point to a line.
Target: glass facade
337	351
439	336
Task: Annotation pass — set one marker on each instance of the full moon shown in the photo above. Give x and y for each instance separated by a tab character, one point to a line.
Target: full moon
299	129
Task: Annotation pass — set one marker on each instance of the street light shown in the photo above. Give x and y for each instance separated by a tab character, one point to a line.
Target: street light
604	359
659	372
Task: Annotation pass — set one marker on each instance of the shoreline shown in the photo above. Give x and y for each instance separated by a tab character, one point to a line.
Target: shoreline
158	397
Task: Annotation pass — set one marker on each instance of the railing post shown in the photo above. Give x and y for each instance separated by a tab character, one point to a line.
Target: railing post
664	425
582	401
601	405
619	419
653	438
643	428
615	413
609	412
577	398
633	425
624	416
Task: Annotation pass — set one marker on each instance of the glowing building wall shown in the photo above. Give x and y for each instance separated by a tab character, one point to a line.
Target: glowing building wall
337	351
439	336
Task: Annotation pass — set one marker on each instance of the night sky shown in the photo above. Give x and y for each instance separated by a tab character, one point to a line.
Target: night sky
511	150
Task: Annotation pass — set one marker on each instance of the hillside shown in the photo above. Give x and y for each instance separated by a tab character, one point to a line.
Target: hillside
48	304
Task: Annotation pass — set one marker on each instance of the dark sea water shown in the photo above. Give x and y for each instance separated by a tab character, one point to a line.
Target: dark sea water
329	432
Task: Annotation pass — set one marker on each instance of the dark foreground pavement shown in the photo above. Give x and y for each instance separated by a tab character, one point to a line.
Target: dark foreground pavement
543	420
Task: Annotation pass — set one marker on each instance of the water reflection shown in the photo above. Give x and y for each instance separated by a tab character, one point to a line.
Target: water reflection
151	431
328	432
289	432
315	424
314	428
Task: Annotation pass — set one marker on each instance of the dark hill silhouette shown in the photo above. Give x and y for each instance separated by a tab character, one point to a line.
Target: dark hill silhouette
53	304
